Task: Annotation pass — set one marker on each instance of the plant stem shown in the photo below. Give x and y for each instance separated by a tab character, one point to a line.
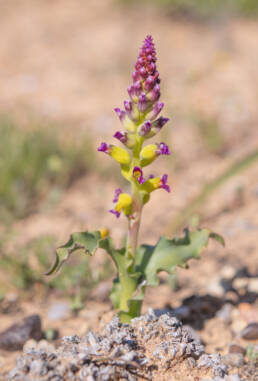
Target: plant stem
134	224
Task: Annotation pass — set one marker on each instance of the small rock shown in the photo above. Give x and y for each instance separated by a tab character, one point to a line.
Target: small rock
248	312
227	272
15	337
31	343
45	346
215	288
240	283
233	359
253	285
231	296
58	311
235	348
250	332
225	312
182	312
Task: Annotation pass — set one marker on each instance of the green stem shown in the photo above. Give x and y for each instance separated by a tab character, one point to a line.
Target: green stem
134	224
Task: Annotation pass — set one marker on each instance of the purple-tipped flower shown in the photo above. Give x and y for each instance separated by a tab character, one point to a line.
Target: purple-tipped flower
143	103
154	94
149	83
118	191
104	147
122	136
158	106
115	212
145	128
164	184
131	91
138	175
159	123
128	107
121	113
162	149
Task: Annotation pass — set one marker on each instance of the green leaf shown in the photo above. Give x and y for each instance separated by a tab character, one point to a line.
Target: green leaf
89	242
168	254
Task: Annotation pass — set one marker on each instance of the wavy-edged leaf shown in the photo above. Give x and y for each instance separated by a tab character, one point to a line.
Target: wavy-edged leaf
89	242
168	254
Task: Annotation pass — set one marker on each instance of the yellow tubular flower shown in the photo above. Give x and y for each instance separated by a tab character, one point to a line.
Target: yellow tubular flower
148	154
120	155
123	203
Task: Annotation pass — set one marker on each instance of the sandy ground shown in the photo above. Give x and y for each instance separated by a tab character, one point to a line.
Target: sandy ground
70	62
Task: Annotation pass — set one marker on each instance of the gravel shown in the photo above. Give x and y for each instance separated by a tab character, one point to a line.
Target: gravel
151	347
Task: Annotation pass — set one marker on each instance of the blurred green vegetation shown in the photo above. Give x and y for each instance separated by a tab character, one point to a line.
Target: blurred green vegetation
23	268
204	8
210	133
36	164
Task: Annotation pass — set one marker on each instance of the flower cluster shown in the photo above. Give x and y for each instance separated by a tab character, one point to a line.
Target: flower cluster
141	121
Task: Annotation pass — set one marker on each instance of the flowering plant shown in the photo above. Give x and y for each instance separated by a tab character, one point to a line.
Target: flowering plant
138	266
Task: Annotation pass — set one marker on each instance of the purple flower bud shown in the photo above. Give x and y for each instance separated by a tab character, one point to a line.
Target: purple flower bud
149	83
143	103
115	212
164	184
145	128
143	72
138	175
128	107
140	61
151	67
121	113
104	147
158	106
162	149
154	95
159	123
121	136
137	87
136	76
118	191
131	91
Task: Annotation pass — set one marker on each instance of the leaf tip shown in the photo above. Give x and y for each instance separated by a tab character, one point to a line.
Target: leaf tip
218	238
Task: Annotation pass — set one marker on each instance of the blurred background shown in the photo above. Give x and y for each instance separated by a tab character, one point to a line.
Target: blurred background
64	66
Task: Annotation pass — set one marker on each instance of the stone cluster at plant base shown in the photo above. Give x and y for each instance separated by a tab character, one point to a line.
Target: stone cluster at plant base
153	345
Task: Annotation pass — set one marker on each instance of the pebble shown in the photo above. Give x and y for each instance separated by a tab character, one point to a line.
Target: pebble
227	272
31	343
236	348
253	285
240	283
233	359
14	337
231	296
58	311
250	332
225	313
215	288
182	312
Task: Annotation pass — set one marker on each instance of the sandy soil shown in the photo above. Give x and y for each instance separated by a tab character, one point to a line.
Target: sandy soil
70	62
